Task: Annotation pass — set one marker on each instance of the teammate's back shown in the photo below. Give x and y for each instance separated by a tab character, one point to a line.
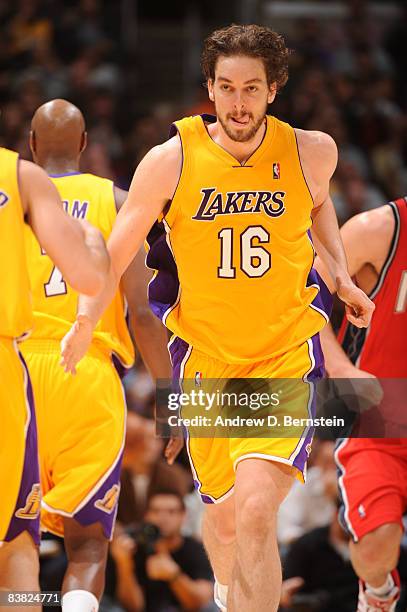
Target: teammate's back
90	197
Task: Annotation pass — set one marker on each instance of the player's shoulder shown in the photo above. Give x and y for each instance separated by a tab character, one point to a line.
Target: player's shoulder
319	152
169	152
377	223
161	168
316	141
369	235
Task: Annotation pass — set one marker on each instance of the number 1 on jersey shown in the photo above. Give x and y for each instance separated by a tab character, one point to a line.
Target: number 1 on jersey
255	260
56	284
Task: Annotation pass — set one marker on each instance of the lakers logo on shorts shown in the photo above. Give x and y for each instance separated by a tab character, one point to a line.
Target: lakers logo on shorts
108	503
32	504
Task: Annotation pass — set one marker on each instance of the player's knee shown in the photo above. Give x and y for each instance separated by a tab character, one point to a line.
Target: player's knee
380	547
256	514
222	524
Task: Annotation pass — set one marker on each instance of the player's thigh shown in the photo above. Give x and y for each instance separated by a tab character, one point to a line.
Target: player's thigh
209	455
84	454
281	429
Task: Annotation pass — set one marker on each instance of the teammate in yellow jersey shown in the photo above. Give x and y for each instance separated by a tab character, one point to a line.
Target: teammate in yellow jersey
239	194
26	194
81	420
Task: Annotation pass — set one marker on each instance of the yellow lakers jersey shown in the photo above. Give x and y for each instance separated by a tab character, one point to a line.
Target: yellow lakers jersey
15	300
89	197
237	283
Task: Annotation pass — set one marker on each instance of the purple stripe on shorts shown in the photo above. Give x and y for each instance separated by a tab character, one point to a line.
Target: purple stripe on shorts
102	506
163	289
26	516
312	377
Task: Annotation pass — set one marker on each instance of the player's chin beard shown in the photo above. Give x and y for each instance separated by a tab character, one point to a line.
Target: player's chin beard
242	135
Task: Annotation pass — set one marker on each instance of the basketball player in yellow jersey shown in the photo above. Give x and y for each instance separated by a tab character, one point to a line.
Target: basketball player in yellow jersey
239	194
81	420
78	250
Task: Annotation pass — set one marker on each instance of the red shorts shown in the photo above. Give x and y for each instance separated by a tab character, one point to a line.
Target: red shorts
372	483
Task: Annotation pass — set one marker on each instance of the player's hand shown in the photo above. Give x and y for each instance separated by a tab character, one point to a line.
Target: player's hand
161	566
173	449
75	343
358	307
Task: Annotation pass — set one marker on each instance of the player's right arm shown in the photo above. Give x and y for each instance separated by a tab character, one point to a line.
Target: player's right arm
366	238
76	248
153	186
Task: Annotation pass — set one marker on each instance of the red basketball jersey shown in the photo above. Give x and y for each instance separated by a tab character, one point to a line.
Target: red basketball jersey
381	349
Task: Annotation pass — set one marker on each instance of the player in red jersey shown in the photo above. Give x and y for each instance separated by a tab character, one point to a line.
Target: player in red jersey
373	471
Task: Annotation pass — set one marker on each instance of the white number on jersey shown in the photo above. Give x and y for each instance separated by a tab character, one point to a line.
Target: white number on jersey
56	284
255	260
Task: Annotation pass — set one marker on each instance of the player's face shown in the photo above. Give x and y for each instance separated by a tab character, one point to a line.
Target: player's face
241	94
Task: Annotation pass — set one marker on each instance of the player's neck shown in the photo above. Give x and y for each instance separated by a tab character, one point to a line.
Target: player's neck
66	166
240	150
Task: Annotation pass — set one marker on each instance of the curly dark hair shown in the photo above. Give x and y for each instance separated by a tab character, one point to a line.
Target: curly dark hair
252	41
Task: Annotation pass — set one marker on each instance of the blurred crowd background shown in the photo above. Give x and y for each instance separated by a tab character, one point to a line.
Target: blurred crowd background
132	68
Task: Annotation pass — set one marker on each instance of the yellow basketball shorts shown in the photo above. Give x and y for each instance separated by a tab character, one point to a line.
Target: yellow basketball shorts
81	429
19	474
214	458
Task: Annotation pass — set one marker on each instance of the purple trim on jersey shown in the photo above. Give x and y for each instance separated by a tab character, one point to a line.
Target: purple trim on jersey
205	498
163	289
323	300
178	350
30	474
90	513
312	377
65	174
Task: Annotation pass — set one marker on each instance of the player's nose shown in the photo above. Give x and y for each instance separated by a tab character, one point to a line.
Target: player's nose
238	101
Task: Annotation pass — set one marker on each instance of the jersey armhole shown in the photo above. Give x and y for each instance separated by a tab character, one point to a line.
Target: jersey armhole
306	185
391	253
174	203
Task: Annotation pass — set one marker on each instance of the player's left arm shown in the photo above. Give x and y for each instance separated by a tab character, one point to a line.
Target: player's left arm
149	333
319	155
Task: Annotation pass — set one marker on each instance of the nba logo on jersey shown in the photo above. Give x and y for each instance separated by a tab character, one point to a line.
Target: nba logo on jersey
198	378
276	170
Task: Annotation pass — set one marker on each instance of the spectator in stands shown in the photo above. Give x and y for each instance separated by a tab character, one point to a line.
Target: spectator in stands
320	562
162	572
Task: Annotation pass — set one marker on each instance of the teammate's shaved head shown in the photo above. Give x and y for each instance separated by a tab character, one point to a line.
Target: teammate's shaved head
57	132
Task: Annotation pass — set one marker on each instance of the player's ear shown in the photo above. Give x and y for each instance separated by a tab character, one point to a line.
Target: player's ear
32	141
84	142
210	90
272	92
